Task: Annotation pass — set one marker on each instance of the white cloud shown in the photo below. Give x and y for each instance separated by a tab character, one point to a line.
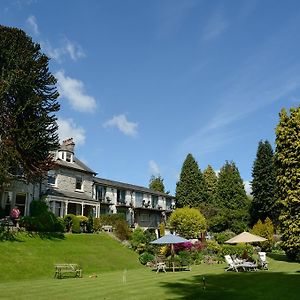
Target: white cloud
32	23
68	48
248	187
215	26
68	129
73	90
154	168
121	122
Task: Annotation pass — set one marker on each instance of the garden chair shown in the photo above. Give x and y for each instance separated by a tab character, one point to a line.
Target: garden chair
262	260
231	264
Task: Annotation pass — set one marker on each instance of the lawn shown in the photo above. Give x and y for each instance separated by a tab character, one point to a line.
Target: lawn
127	280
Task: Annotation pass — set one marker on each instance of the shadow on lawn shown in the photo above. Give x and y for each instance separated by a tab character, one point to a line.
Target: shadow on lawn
255	285
47	235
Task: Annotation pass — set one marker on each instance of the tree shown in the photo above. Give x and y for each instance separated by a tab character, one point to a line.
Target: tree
287	161
28	102
188	222
232	200
210	183
266	230
190	187
263	204
157	184
230	188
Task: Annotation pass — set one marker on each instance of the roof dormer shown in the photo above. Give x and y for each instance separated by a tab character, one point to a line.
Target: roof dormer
66	151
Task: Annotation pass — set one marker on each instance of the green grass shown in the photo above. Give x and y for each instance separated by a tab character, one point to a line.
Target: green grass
125	279
34	258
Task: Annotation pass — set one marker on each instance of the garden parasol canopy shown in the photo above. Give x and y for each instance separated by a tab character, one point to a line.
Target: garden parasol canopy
245	237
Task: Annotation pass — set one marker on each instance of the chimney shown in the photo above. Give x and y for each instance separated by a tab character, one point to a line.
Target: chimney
68	145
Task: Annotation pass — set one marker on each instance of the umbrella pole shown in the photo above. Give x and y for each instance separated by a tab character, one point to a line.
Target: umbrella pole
172	255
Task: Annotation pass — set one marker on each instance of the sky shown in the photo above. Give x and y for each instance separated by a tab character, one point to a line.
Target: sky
144	83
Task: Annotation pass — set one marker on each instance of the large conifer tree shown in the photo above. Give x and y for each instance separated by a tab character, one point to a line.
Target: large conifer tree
210	183
230	188
28	96
232	200
287	159
190	187
263	185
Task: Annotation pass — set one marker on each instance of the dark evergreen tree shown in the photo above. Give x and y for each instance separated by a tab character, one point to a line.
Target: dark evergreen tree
287	161
230	188
210	183
157	184
190	187
263	204
28	102
232	200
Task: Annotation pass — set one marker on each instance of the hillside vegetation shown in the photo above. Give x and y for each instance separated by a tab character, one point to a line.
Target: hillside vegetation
34	257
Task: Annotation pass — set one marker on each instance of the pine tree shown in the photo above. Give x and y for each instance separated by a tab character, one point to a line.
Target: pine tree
157	184
210	183
263	185
287	160
190	187
28	102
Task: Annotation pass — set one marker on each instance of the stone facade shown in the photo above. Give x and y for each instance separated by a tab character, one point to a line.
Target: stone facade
72	187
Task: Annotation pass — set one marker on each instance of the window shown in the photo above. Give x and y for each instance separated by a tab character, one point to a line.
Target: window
154	201
138	199
100	192
121	196
68	157
79	182
51	177
20	202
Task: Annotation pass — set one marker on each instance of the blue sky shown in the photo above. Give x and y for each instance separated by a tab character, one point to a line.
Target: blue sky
144	83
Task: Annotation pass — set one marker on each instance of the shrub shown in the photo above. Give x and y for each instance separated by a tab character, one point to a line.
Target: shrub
122	230
162	229
97	225
213	247
237	250
183	247
76	228
188	222
223	236
146	257
90	224
197	257
72	223
265	230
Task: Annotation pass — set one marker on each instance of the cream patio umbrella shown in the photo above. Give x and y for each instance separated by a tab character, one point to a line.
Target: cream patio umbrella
245	237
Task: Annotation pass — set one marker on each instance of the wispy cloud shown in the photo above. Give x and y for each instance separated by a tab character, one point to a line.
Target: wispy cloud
215	26
74	91
32	23
248	90
154	168
67	129
68	48
125	126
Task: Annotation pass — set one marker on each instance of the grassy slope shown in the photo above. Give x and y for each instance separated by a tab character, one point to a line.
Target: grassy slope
34	258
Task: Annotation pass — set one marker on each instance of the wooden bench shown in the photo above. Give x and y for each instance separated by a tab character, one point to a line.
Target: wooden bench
67	269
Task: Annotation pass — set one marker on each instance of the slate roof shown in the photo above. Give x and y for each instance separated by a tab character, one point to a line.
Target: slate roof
72	195
127	186
76	165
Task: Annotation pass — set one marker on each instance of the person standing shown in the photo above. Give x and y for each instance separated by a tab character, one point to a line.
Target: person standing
14	215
